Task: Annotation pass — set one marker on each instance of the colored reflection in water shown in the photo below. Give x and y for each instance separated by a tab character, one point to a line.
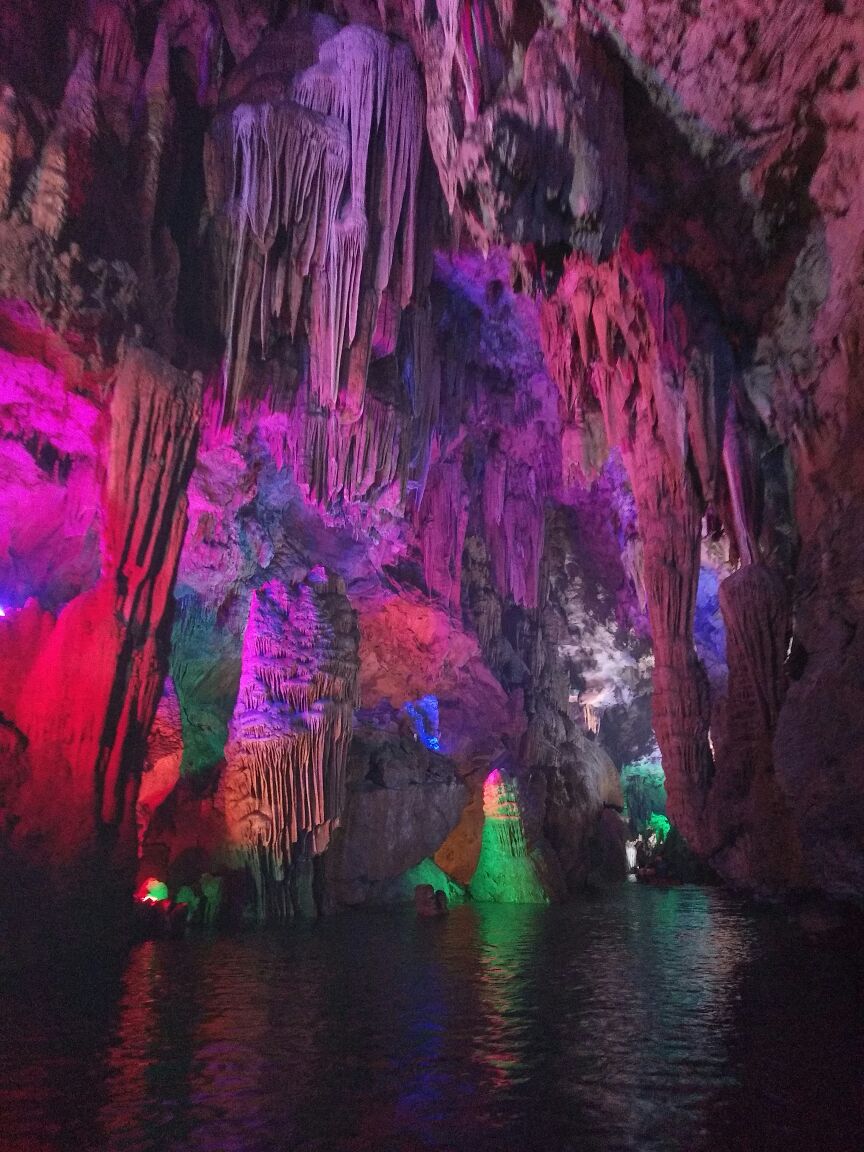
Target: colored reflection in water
641	1020
507	942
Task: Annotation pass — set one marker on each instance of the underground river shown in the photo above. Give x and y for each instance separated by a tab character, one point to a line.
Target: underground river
639	1019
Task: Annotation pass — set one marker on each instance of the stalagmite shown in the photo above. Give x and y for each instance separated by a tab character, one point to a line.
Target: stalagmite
756	614
283	787
507	871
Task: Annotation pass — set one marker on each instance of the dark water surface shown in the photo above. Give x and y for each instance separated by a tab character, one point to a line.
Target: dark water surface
645	1019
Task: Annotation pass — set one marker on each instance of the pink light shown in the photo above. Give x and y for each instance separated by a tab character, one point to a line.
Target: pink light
2	611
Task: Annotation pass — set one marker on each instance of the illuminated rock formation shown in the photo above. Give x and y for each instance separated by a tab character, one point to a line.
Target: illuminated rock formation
283	787
162	763
332	161
87	684
618	348
403	800
537	327
509	871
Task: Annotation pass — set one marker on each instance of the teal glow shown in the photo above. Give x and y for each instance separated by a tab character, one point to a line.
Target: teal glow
188	896
643	785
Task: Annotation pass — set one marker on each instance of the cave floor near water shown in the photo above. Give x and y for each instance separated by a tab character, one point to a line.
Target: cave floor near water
641	1019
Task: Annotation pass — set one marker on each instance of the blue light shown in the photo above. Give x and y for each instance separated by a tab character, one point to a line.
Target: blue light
424	714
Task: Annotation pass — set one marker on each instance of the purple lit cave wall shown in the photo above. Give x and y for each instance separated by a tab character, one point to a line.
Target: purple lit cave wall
430	433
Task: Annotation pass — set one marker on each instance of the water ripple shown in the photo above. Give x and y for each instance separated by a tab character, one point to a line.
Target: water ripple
645	1020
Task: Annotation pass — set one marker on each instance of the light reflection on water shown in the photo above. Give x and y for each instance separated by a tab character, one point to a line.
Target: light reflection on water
641	1020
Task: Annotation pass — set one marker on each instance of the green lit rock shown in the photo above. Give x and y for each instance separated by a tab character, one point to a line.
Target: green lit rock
508	872
644	786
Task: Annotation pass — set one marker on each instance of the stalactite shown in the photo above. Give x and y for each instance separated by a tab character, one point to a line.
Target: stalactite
337	166
8	130
440	45
399	184
741	470
75	125
156	90
335	297
514	520
51	190
421	367
350	82
284	781
442	520
351	461
290	166
109	22
591	718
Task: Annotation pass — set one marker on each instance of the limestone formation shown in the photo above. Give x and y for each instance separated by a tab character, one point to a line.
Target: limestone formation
501	356
283	788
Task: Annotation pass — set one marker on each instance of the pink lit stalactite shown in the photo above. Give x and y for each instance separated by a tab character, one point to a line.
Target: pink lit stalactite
513	519
442	521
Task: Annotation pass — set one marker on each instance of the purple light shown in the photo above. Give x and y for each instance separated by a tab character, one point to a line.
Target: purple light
2	610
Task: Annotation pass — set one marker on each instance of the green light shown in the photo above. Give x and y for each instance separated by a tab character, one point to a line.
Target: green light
507	872
188	896
643	785
659	825
428	872
154	890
